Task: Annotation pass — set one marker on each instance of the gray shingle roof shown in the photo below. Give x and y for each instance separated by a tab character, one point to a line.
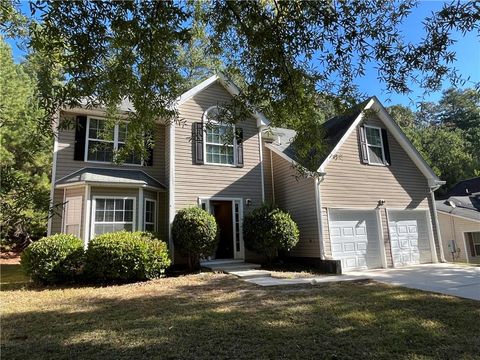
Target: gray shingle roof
465	206
111	176
334	130
464	187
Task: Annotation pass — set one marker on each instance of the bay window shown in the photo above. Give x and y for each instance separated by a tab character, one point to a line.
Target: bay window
150	215
113	214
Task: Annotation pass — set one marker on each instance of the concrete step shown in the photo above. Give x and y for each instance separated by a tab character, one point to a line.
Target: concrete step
206	263
251	274
232	267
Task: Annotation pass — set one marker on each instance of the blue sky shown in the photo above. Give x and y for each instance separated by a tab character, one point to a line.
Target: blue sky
467	62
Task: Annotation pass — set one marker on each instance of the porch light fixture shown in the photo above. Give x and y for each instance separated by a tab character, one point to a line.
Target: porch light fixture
248	202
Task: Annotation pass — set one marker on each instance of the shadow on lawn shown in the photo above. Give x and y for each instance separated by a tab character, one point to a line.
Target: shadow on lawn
224	318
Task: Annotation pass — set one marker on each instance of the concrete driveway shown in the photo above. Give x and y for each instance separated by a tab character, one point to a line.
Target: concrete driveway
458	280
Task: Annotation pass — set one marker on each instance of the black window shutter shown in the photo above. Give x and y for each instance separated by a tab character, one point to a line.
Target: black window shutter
239	139
197	142
363	145
386	148
80	137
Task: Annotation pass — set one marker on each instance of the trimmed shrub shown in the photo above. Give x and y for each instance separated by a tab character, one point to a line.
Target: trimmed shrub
54	259
126	256
268	229
194	233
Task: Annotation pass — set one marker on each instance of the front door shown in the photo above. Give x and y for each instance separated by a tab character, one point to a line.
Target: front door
228	214
222	210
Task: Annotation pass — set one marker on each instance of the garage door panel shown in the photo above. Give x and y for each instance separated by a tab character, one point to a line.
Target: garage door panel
409	237
354	238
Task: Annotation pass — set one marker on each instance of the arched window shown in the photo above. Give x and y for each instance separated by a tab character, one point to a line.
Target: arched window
219	141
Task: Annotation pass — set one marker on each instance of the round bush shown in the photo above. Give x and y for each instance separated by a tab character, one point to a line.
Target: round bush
54	259
194	233
126	256
268	229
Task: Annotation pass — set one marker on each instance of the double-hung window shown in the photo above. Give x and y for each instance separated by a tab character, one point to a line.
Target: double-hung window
104	138
474	239
219	141
219	144
376	153
100	140
150	213
113	214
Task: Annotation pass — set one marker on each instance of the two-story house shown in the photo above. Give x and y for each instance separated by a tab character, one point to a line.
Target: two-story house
371	205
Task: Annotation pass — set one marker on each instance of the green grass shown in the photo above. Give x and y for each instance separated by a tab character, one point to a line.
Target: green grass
209	316
12	276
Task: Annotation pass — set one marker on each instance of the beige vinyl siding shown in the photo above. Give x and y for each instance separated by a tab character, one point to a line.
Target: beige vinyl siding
453	228
297	196
351	184
161	211
267	171
57	211
58	199
73	192
193	181
386	237
163	216
66	165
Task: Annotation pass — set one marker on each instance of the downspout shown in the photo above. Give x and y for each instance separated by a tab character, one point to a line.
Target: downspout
318	207
437	225
273	178
260	151
55	122
171	186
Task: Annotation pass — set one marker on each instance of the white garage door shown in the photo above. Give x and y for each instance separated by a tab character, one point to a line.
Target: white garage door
409	236
355	239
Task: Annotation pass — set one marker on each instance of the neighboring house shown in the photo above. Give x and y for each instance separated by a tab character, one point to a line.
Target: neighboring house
459	218
370	207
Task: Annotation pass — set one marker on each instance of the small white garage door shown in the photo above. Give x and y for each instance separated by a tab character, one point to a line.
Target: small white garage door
409	236
355	239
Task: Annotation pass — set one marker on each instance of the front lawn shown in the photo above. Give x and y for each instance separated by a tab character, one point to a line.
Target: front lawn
217	316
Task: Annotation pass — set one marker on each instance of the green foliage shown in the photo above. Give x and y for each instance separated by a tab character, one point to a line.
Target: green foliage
194	233
126	256
283	52
268	230
54	259
446	133
25	155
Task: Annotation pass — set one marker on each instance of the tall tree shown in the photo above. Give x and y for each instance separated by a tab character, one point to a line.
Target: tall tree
25	154
447	133
285	51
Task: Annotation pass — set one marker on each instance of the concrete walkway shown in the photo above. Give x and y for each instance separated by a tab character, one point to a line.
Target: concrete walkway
450	279
251	273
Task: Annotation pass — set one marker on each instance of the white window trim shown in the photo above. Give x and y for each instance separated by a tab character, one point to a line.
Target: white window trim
475	254
115	142
237	255
206	121
94	208
377	146
155	214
